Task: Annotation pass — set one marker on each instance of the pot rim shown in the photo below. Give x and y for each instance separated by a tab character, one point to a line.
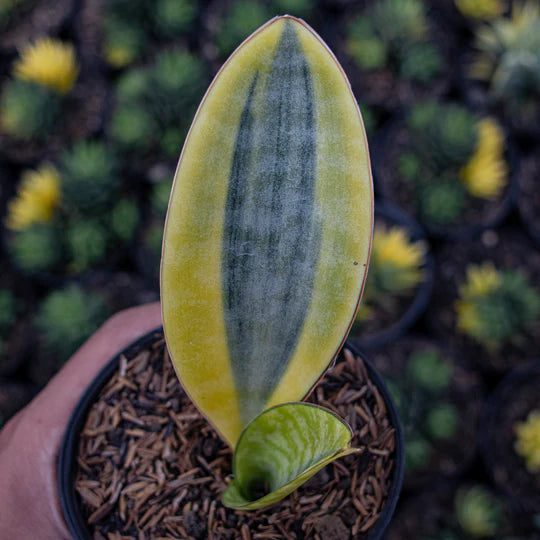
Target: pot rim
67	462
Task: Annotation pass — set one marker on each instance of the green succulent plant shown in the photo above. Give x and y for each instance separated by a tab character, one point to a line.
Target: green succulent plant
240	20
37	249
174	17
130	26
66	318
478	513
451	156
155	104
134	85
132	127
430	371
441	201
124	41
421	395
421	62
444	134
418	452
508	59
124	219
395	32
8	310
87	244
442	421
28	110
159	198
89	178
496	307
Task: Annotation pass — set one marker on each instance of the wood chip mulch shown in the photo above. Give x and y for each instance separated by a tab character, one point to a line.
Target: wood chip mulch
151	467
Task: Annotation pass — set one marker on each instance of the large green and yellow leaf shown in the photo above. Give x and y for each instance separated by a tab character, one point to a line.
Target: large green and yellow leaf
281	449
268	230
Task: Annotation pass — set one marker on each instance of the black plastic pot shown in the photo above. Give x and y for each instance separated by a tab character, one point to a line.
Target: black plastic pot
456	231
419	303
515	396
67	462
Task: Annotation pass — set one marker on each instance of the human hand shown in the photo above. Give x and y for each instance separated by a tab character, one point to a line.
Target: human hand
30	441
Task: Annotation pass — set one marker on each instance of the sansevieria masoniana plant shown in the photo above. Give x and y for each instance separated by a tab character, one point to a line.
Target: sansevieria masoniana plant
265	254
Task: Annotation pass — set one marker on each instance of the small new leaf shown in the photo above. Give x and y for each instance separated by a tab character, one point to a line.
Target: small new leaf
281	449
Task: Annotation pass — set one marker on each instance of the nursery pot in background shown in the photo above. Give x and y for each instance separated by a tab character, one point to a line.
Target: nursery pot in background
68	465
515	397
418	303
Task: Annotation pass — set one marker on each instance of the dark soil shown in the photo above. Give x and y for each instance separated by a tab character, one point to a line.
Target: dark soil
450	456
477	214
150	466
529	199
507	249
514	399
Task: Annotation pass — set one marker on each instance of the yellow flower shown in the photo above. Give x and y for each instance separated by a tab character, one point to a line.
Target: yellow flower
48	62
392	249
503	34
480	9
527	443
481	280
485	173
467	317
37	198
118	56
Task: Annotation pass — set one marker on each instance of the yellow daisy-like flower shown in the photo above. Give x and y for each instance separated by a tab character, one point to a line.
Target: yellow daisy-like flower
527	443
393	248
37	198
485	173
467	317
117	56
48	62
480	9
481	280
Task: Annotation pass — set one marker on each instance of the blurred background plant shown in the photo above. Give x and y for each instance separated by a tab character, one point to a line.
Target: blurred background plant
395	271
451	159
480	10
131	27
527	443
31	101
421	394
496	307
155	104
508	61
478	512
64	320
395	33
